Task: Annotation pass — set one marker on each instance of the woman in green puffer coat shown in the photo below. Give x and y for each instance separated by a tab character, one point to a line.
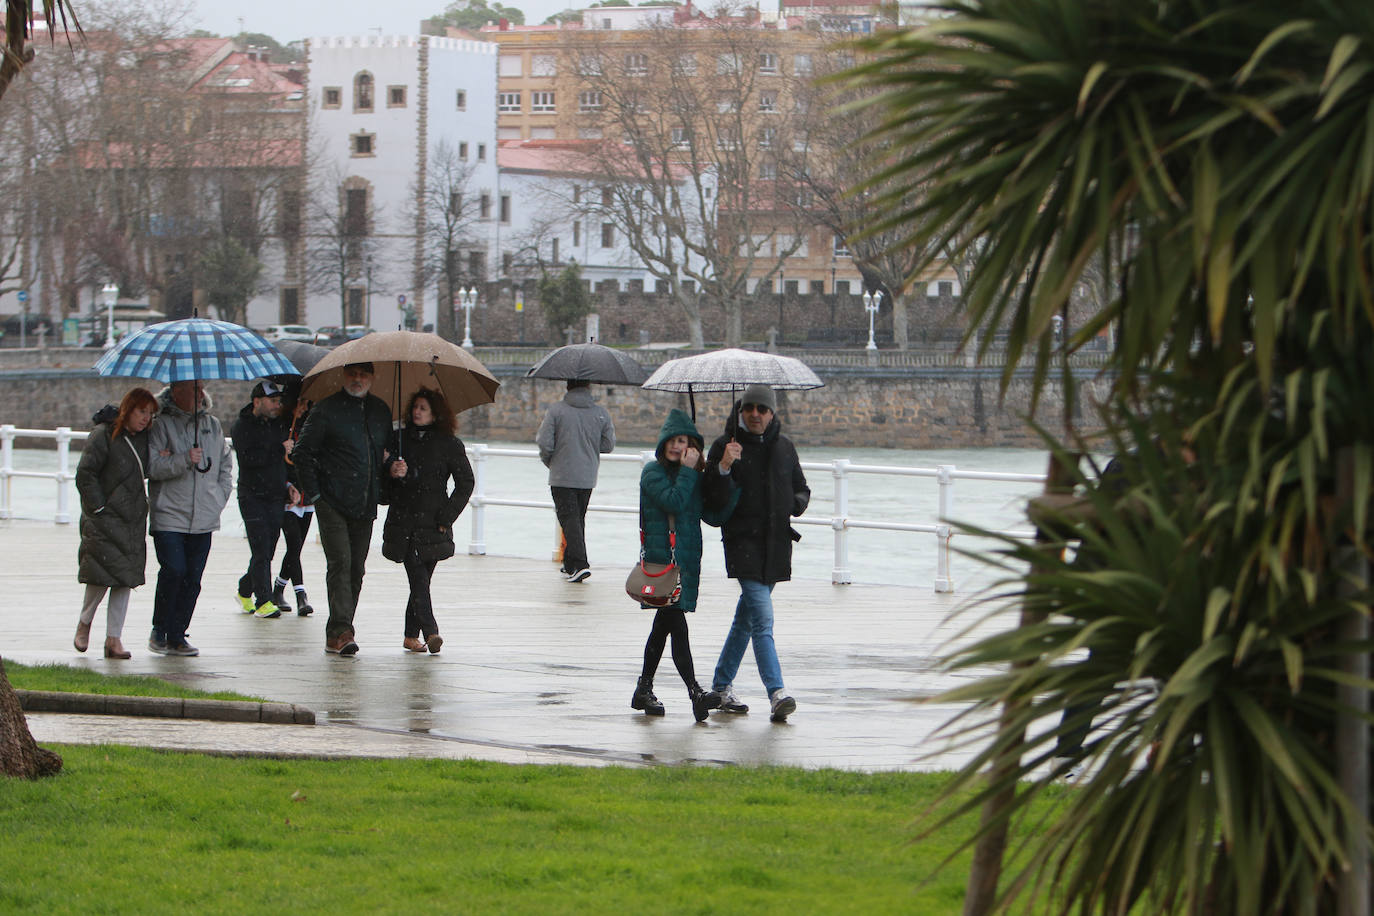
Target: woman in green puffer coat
670	502
114	515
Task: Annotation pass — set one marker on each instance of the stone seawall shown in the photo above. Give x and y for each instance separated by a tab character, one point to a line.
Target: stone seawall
947	407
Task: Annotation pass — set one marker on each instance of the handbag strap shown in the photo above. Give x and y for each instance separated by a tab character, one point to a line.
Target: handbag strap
672	541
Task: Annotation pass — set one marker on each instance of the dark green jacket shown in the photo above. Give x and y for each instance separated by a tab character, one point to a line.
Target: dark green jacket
338	458
114	508
671	489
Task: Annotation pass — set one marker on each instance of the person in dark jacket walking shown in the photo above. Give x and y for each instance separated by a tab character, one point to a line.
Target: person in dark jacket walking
670	517
296	516
424	456
762	464
114	515
261	443
338	461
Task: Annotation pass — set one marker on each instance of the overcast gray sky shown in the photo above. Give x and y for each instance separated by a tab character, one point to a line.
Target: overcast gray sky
288	20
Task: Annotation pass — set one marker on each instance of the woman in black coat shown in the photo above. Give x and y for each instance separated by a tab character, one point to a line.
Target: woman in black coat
422	458
114	515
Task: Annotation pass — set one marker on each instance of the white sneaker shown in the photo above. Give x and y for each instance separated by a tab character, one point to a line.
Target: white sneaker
729	702
782	706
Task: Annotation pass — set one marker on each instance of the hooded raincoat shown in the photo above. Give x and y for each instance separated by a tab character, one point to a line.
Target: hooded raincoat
671	489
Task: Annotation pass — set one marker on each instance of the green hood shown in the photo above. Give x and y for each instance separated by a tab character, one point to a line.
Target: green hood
678	424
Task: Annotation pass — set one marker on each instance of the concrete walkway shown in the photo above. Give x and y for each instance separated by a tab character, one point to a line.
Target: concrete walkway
533	669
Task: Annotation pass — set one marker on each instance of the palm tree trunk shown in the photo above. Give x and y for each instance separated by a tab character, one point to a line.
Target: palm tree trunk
20	755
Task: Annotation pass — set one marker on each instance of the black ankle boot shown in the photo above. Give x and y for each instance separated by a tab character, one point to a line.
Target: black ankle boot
702	702
303	608
644	698
279	596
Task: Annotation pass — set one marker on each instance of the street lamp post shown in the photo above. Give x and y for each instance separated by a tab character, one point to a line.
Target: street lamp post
110	293
871	303
467	298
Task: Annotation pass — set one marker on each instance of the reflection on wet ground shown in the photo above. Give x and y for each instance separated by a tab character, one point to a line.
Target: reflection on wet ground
531	662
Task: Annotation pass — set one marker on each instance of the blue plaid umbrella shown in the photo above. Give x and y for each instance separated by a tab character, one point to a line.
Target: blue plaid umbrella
194	348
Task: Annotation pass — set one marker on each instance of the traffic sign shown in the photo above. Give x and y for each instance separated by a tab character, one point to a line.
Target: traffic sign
401	299
23	295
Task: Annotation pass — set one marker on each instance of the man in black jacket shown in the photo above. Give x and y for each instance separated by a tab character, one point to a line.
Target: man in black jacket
762	463
338	461
261	442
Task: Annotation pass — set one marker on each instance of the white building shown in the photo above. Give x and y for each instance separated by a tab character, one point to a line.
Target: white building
382	107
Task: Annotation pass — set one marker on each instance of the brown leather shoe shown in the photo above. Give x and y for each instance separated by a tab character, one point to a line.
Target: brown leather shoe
342	644
432	642
82	639
115	649
412	644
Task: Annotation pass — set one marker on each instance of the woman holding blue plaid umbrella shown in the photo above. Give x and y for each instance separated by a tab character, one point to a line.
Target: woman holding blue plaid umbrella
185	445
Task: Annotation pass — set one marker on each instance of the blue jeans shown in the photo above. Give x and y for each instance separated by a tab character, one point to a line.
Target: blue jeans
181	558
753	622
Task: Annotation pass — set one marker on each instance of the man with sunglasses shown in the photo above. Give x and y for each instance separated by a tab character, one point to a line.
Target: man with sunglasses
754	457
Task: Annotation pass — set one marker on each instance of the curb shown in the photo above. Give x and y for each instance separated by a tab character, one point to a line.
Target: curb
165	707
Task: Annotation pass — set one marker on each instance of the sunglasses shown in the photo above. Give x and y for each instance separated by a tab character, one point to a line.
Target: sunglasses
754	408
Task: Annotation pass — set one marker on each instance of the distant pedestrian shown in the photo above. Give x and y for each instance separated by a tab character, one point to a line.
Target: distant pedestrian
424	456
574	435
762	464
110	479
670	517
338	461
261	442
295	519
192	473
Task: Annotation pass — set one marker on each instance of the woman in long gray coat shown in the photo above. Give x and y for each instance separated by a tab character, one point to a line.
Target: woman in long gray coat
114	515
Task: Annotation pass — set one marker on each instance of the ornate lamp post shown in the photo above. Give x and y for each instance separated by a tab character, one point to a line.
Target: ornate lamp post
467	298
871	303
109	295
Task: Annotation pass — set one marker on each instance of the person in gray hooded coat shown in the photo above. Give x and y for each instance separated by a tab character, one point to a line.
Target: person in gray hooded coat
192	472
575	433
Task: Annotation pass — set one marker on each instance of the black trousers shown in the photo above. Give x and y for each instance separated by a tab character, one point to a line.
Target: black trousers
420	609
262	522
345	541
570	505
294	529
670	621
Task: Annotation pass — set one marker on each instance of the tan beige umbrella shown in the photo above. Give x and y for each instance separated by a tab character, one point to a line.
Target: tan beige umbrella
405	362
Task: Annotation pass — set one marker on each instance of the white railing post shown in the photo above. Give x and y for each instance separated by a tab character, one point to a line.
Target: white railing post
944	582
6	466
64	463
477	503
840	574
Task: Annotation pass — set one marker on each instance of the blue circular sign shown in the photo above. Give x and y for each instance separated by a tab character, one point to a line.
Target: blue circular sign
23	295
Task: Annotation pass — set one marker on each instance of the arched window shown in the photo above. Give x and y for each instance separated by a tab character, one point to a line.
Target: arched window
362	92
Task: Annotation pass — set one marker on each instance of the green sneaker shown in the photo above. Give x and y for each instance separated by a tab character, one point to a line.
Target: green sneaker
246	602
267	611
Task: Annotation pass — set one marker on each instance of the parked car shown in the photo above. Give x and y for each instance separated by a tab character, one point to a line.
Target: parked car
354	331
331	335
289	332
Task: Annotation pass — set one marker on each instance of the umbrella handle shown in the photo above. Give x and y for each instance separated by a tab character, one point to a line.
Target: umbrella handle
195	439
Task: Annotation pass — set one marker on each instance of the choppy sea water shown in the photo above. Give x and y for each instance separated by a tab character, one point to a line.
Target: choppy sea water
886	557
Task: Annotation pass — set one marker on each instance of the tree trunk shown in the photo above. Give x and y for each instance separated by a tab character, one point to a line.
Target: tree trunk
19	755
901	333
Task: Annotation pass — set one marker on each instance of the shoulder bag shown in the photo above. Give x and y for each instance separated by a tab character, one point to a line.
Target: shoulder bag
656	584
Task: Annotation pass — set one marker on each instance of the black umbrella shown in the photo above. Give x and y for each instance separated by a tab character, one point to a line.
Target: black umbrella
303	355
589	362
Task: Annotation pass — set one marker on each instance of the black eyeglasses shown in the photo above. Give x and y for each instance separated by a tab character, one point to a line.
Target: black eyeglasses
755	408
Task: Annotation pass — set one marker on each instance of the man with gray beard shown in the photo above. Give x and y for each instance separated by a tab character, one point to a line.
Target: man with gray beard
338	461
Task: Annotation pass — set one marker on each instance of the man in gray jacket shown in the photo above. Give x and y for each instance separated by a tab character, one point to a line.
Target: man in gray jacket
575	433
192	473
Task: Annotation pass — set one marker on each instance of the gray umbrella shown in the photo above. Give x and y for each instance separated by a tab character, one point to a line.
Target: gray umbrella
728	370
589	362
303	355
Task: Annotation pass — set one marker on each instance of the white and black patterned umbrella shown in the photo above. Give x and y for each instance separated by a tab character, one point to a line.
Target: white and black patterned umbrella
729	370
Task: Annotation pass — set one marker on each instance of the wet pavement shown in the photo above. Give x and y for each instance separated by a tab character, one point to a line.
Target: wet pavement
533	668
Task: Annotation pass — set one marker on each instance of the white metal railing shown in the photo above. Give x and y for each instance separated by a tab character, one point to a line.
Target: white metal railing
841	471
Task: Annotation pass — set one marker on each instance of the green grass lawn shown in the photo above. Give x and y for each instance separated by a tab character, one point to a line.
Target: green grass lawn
134	830
67	679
